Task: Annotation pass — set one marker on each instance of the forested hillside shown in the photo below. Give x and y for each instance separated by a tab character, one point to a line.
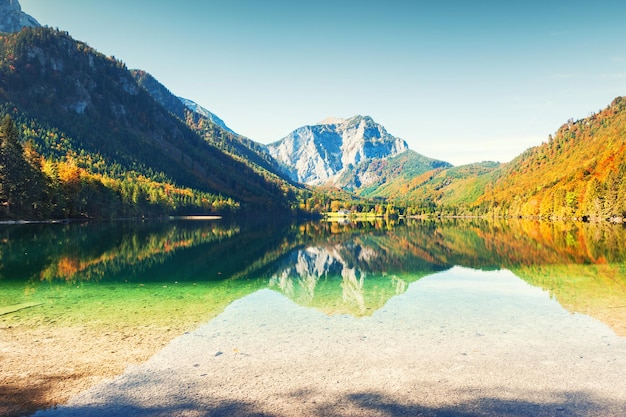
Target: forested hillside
366	178
442	190
579	172
239	147
109	145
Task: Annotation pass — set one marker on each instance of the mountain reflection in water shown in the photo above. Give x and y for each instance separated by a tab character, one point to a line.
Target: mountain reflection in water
337	268
323	278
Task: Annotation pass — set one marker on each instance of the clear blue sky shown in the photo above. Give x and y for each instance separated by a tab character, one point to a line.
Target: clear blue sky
462	81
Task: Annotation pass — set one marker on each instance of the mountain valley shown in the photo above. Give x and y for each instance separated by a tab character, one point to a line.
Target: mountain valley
106	141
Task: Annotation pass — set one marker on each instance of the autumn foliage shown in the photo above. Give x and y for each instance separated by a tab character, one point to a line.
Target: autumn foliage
580	172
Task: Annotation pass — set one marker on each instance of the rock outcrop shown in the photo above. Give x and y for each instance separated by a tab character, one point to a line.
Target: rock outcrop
321	153
13	19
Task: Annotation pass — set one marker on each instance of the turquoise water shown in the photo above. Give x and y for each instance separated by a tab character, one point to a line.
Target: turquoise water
338	269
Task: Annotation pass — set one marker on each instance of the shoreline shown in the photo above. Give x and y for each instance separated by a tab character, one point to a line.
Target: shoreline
67	221
251	361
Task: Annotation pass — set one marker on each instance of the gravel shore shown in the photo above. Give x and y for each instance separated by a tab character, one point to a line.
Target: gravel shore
515	353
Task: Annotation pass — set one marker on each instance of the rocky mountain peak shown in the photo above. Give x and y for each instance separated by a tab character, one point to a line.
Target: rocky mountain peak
13	19
321	153
332	121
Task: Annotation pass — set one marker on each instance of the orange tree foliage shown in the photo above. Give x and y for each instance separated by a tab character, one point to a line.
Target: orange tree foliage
38	187
579	172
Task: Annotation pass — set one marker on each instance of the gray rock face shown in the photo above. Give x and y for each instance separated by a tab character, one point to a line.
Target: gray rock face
320	153
13	19
195	107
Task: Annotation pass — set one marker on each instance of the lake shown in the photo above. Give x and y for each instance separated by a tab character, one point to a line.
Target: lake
454	317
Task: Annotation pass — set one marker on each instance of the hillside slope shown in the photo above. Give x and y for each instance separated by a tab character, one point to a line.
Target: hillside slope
211	128
580	171
368	177
73	102
443	186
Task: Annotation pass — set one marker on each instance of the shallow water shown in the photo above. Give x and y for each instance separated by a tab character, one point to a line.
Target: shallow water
471	297
459	342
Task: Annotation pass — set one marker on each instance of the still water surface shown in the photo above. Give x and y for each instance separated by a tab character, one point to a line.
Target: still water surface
347	269
464	288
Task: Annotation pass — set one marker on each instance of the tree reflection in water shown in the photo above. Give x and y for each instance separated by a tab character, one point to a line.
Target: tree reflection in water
351	268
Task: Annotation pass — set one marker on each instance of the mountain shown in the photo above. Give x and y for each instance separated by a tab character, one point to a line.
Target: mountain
579	172
114	142
196	108
369	176
318	154
458	186
212	128
13	19
177	105
347	153
79	107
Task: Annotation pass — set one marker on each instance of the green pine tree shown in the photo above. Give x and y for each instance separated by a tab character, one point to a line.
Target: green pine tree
14	170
